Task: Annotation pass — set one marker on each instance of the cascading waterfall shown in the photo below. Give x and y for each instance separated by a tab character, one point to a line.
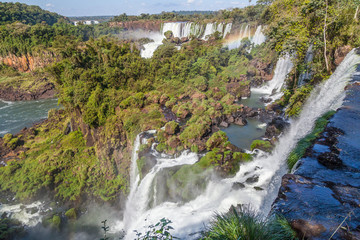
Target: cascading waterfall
219	195
181	30
274	86
139	197
227	29
246	32
259	37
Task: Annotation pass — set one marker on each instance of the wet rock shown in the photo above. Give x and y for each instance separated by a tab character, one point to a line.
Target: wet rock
253	179
307	230
237	186
240	122
275	127
265	99
330	160
231	119
258	188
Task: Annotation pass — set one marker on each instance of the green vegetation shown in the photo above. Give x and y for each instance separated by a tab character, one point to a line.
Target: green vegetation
161	230
245	224
27	14
9	228
71	214
60	163
295	25
250	13
262	145
56	222
306	142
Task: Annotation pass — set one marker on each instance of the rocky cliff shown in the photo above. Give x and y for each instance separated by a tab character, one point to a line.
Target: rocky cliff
135	25
28	63
321	197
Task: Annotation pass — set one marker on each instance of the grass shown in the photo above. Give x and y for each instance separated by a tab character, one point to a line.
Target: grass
307	141
246	224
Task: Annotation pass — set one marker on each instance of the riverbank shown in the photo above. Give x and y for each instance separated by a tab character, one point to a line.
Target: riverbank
25	88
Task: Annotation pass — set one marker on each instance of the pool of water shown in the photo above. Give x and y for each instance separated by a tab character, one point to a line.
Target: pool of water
253	101
242	136
14	116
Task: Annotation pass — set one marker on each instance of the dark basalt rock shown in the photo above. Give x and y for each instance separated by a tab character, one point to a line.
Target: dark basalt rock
325	188
253	179
330	160
237	186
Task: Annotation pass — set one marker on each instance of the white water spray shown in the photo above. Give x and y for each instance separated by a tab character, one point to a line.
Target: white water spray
259	37
274	86
219	195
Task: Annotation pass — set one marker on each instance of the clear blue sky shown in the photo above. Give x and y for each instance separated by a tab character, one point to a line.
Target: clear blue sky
130	7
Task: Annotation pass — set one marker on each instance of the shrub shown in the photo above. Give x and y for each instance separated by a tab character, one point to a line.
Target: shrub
71	214
216	140
246	224
13	143
262	145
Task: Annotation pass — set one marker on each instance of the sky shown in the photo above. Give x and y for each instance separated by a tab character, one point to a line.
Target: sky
130	7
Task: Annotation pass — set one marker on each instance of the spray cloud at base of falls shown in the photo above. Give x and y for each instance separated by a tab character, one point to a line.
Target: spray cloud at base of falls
219	195
254	35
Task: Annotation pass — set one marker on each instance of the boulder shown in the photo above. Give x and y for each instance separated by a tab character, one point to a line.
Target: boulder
240	121
330	160
237	186
224	124
307	230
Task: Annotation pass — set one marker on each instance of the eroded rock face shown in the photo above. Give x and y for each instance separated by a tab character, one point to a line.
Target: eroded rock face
325	189
135	25
28	63
341	53
44	91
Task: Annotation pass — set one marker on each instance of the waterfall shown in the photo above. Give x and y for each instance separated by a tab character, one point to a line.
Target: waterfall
259	37
227	29
274	86
209	29
219	195
139	198
246	32
183	29
175	27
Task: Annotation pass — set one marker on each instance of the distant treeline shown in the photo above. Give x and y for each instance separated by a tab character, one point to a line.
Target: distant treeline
92	18
250	13
27	14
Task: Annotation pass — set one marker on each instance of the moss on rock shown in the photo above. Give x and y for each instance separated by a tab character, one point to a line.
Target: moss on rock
262	145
